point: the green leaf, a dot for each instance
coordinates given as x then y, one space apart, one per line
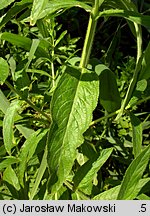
22 83
25 131
62 35
37 8
8 161
84 177
110 194
143 197
10 176
43 8
136 134
121 4
125 5
129 15
42 73
8 124
72 105
142 183
14 10
4 103
27 151
141 85
145 71
40 174
34 46
5 3
24 43
4 70
133 175
109 95
42 27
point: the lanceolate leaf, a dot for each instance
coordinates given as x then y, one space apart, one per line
72 105
85 175
120 4
37 8
4 103
8 124
4 70
17 8
109 95
24 43
5 3
136 134
8 161
112 193
139 187
27 151
129 15
133 175
34 46
11 177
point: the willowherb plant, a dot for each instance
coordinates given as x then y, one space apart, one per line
74 90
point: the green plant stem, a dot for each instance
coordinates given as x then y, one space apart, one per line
116 112
89 35
52 64
28 101
53 73
104 117
136 71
